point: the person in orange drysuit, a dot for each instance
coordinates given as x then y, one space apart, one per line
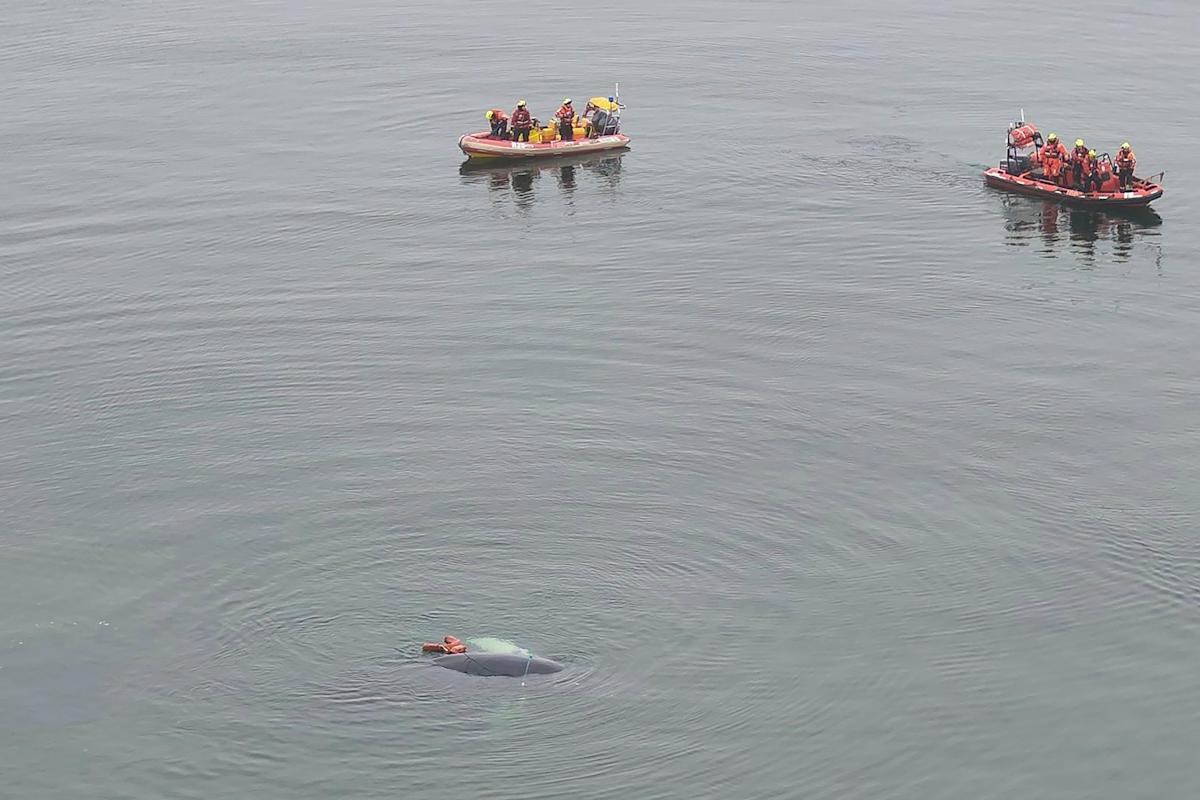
1126 162
1078 162
499 122
1052 155
1091 173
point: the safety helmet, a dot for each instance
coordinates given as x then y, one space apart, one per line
1052 137
1092 153
1079 142
566 101
520 104
490 114
1125 145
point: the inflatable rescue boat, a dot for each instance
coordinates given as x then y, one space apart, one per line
1020 172
597 130
483 146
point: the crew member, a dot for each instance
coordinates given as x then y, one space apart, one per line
499 122
522 123
1053 155
1126 163
566 120
1091 173
1078 159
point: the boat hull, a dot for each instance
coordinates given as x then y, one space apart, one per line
1141 195
482 146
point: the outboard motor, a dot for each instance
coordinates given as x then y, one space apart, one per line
605 124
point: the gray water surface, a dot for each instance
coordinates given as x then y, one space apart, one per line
828 472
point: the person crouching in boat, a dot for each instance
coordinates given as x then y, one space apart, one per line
499 122
522 123
1078 160
566 120
1126 162
1053 155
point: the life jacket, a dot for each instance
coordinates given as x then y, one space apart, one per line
565 113
1053 151
1079 155
497 115
521 119
1090 165
449 645
1125 159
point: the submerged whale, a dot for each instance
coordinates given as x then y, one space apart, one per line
510 665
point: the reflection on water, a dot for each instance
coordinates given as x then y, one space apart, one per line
520 180
1089 235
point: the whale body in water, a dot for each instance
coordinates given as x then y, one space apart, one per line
510 665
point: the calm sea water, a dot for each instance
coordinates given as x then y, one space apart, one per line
828 472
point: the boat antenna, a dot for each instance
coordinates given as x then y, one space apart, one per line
1022 116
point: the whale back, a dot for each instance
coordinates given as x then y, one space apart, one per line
508 665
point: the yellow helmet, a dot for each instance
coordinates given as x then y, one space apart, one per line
1125 145
1052 137
1092 153
489 114
520 104
1079 142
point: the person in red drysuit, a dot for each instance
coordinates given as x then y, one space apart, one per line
566 120
522 123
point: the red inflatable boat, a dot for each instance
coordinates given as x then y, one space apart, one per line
596 130
482 145
1021 173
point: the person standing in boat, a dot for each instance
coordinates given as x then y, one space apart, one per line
1091 172
1053 155
499 122
566 120
522 123
1126 163
1078 162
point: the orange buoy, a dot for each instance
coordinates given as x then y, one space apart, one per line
448 645
1023 136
